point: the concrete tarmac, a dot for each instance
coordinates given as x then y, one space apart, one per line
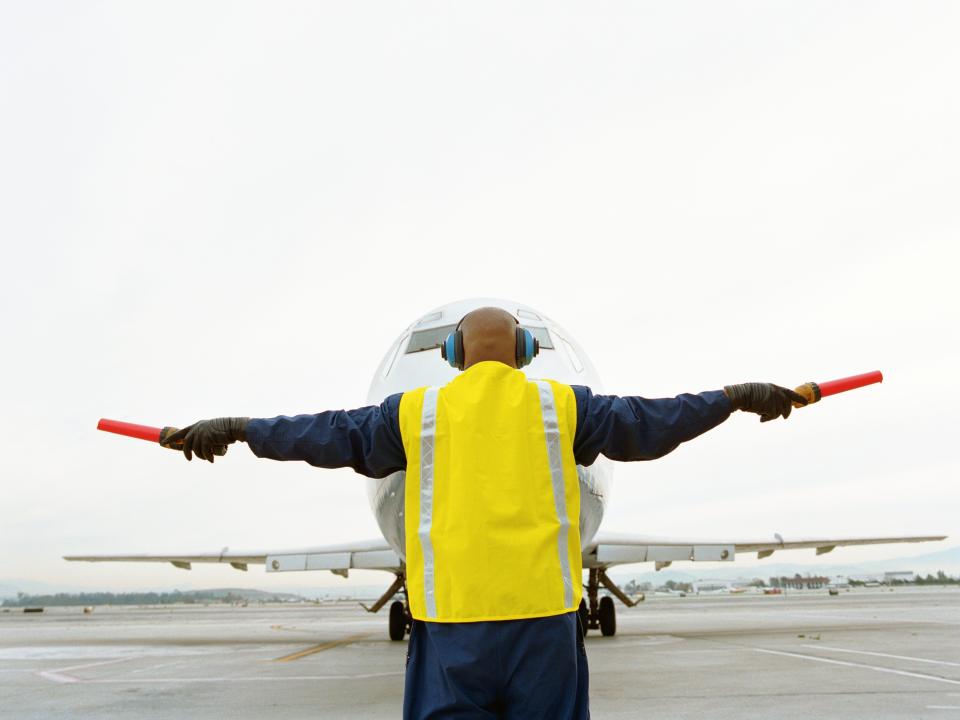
865 654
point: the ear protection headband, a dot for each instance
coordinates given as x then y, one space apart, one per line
527 347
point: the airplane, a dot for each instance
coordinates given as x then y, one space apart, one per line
413 360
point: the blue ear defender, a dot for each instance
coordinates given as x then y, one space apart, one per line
527 347
452 349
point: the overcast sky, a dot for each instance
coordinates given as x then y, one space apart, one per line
233 209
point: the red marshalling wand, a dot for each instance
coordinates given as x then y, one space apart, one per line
145 432
813 392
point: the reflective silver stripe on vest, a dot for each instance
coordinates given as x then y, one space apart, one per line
427 445
551 428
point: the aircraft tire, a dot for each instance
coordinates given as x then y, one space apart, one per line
608 617
398 620
584 617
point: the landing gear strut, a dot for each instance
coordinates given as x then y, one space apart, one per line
601 612
400 620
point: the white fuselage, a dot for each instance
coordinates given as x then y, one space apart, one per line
405 367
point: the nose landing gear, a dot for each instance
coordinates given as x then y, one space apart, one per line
400 622
601 612
595 612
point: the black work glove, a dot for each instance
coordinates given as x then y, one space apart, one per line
209 437
767 400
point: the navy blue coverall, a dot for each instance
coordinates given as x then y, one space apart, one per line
504 669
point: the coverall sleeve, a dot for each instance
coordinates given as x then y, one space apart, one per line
636 428
366 439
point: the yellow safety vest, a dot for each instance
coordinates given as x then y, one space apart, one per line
492 502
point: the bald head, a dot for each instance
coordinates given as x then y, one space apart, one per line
489 333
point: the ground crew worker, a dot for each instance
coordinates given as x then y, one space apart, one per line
493 563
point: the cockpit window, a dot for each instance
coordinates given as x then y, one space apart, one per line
543 336
433 338
428 339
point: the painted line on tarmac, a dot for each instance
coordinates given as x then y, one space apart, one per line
321 647
250 679
287 628
880 654
54 676
943 707
704 651
151 668
888 618
62 675
847 663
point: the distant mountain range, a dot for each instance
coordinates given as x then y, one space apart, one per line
10 588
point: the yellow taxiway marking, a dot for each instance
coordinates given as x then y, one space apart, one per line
321 647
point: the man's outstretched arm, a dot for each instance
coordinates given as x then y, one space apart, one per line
366 439
636 428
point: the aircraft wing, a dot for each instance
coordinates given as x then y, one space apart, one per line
606 550
338 559
609 549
